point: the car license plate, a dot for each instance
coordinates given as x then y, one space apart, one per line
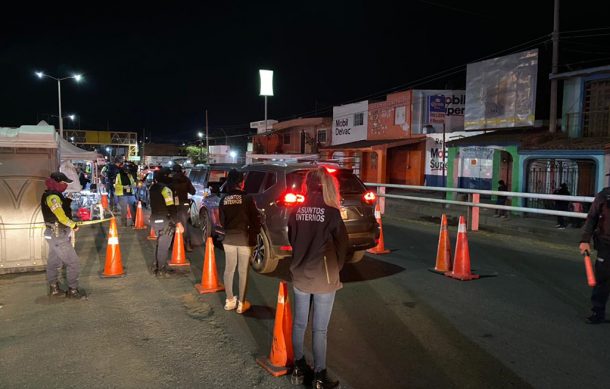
344 213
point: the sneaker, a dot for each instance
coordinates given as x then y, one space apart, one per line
231 304
302 373
56 291
243 306
558 225
596 319
561 227
76 294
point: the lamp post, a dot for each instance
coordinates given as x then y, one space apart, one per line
200 135
233 154
77 78
266 88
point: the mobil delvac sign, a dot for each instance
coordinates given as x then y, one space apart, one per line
350 123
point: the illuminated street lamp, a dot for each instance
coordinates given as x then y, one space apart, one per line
266 88
77 78
200 135
233 154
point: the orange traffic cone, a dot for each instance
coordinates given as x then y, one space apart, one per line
281 355
114 266
139 224
443 254
105 200
152 235
128 217
461 266
209 277
178 257
379 249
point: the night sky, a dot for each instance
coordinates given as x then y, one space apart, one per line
158 67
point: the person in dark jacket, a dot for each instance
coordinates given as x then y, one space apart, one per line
241 223
57 216
319 245
562 205
597 226
181 187
162 219
501 200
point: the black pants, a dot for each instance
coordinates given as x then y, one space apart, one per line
601 291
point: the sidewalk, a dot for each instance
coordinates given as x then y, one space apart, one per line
531 226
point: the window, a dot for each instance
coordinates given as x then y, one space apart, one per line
321 136
269 181
359 119
254 181
286 138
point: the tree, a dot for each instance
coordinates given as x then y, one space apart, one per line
196 154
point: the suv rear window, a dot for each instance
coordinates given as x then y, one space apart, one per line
348 182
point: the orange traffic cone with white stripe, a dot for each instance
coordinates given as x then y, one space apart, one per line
209 277
152 235
128 217
139 224
461 266
443 253
178 256
114 265
380 248
281 356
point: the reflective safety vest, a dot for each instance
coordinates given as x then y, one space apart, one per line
161 200
124 184
56 209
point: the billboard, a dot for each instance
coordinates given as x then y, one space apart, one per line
427 110
350 123
435 171
501 92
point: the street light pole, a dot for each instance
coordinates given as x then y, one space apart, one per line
77 78
61 119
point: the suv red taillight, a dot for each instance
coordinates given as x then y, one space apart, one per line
369 197
289 199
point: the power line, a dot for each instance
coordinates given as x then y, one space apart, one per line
584 30
585 36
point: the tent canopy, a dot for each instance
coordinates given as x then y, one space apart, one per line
67 151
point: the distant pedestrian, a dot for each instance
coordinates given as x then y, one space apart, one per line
501 200
181 188
241 224
597 226
318 238
562 205
57 216
162 219
125 190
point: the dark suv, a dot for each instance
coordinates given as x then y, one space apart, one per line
276 188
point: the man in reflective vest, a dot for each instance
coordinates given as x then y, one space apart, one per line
59 226
182 187
124 189
162 219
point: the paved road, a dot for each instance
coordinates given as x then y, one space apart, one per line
395 324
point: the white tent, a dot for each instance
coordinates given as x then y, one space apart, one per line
67 151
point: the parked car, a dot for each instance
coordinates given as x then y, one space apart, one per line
274 187
207 180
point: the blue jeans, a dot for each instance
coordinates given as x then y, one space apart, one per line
322 308
124 202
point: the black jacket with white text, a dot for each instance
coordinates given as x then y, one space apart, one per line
319 245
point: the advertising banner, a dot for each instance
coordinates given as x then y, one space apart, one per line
425 115
436 169
476 167
350 123
501 92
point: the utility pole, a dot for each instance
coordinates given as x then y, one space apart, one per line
554 69
207 142
143 143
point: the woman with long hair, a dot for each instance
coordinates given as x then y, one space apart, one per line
319 244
